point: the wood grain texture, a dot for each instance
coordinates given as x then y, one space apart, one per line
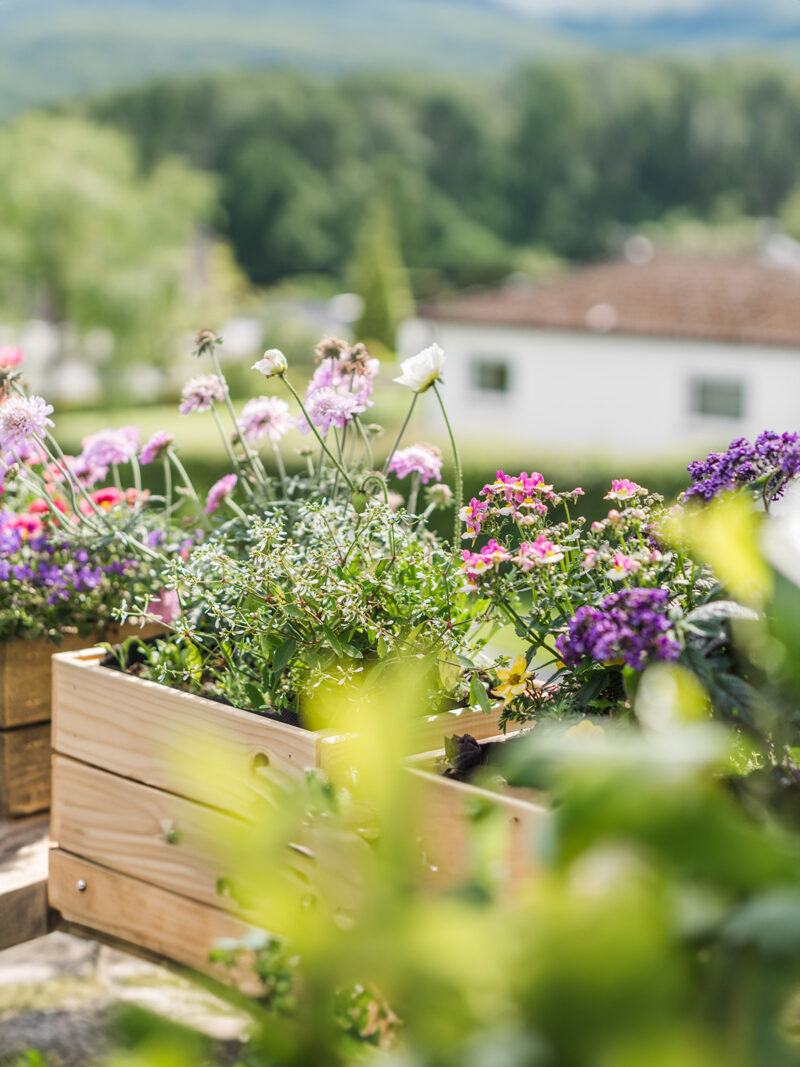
25 674
157 735
446 812
143 730
23 880
25 770
166 924
152 835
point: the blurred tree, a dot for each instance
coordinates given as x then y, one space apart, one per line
379 278
87 242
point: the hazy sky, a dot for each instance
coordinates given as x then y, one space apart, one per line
617 7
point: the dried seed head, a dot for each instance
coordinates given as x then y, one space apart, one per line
330 348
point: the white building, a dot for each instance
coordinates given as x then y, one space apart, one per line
645 355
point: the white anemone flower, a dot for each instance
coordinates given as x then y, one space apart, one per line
421 371
274 362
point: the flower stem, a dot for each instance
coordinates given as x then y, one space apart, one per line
402 431
457 460
316 433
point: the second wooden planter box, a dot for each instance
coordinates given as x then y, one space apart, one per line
25 689
136 829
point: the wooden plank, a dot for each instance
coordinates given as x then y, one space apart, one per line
23 880
143 730
25 674
446 809
170 926
25 770
154 836
147 732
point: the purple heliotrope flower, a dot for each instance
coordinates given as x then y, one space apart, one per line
200 393
425 460
101 450
773 457
23 418
631 626
155 447
219 491
265 415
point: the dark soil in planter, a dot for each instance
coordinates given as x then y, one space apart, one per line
466 757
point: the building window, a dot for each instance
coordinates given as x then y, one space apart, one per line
721 398
490 375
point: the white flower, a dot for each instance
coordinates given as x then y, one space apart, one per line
422 370
274 362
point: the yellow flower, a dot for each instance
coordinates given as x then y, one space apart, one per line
514 680
584 729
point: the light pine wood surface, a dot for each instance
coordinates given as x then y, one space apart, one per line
23 880
138 913
25 770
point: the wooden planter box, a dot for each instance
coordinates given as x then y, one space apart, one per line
450 833
25 688
135 831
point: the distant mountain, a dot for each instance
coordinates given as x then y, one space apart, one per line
51 48
55 48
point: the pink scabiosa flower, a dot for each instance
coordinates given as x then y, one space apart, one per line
201 392
425 460
107 447
326 407
265 416
23 418
474 515
155 447
622 566
439 495
219 491
624 489
537 553
10 356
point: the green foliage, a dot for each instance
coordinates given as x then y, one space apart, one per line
86 241
566 157
378 277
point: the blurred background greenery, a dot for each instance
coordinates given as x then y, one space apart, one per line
281 171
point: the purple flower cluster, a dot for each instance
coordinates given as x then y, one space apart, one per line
774 457
629 626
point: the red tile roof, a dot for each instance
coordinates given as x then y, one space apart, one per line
721 298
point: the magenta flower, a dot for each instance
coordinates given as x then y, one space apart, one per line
219 491
155 447
265 415
535 553
624 489
474 515
622 566
200 393
425 460
23 418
